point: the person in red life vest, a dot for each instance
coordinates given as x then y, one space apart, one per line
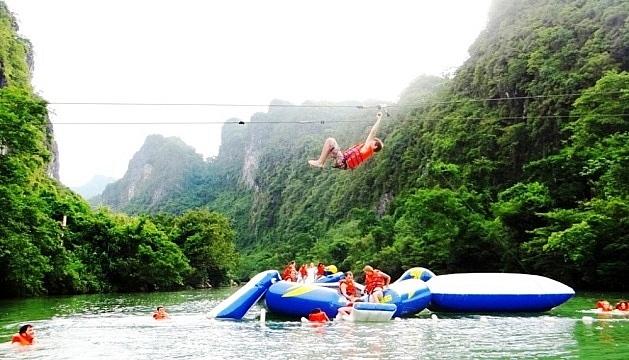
622 305
317 315
287 270
303 273
320 271
604 305
292 277
353 156
375 282
25 336
161 314
347 288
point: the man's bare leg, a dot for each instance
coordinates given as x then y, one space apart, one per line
329 145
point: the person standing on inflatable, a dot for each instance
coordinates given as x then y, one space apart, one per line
25 336
353 156
288 269
303 273
375 282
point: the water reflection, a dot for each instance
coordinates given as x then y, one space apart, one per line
120 327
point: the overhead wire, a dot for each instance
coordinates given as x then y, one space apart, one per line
306 105
379 106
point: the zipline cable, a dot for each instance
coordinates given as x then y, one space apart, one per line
392 105
322 122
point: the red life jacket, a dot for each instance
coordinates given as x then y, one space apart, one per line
317 317
321 270
286 272
22 339
350 289
158 316
354 157
375 280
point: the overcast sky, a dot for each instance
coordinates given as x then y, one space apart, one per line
222 52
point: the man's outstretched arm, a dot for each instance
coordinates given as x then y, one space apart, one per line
374 129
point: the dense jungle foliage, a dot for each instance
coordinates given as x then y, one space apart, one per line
89 251
518 162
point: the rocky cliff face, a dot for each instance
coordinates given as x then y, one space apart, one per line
159 171
16 68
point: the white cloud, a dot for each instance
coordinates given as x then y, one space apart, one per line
223 52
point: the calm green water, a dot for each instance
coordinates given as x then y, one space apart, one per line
120 327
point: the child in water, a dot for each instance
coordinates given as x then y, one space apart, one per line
317 315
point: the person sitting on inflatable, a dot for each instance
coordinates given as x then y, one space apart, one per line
25 336
347 288
604 305
320 271
161 314
318 316
622 305
375 282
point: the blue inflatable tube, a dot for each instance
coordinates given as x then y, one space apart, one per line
410 296
332 278
419 273
237 305
298 300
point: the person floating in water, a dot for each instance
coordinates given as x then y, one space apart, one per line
161 314
353 156
25 335
317 315
604 305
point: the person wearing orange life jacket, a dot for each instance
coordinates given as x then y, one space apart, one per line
287 270
604 305
375 282
320 271
347 288
622 305
292 277
161 314
303 273
317 315
25 336
353 156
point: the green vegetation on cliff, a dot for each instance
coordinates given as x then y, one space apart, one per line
94 251
516 163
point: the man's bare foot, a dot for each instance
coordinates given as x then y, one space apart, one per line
315 163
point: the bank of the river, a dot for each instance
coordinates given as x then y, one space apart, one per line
119 326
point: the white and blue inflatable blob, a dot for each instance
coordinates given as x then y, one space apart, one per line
496 292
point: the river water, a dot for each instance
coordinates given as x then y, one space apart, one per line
120 326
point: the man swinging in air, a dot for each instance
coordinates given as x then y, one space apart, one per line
353 156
